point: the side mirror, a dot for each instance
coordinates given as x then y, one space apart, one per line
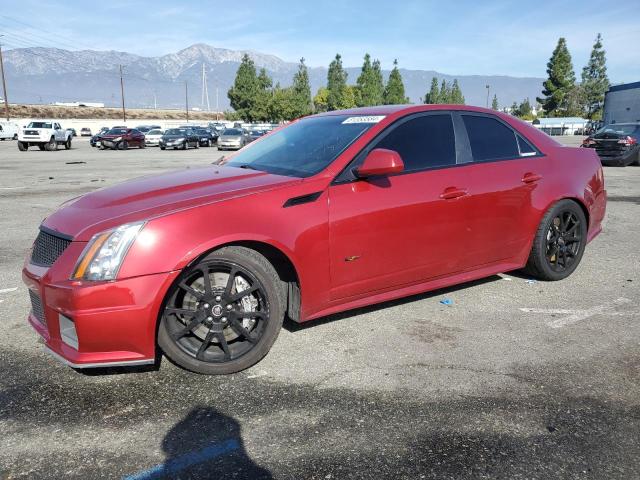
380 161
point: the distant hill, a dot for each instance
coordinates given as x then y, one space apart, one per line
45 75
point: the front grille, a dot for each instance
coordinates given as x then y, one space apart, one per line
47 248
36 307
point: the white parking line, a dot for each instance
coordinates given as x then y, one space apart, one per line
575 315
7 290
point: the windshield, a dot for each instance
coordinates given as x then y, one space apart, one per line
39 125
155 132
117 131
202 131
232 131
305 147
176 131
620 129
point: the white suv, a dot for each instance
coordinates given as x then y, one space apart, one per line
47 135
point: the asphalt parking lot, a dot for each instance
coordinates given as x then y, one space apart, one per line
514 379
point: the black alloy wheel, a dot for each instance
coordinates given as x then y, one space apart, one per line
559 242
224 313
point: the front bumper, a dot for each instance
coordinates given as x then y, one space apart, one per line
115 322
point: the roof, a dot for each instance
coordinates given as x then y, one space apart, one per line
624 86
559 120
391 109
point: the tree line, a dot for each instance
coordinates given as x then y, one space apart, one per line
254 97
561 95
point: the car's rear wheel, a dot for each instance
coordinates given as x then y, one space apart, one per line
559 242
224 313
23 146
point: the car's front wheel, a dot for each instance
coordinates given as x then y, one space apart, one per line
559 242
224 313
67 144
23 146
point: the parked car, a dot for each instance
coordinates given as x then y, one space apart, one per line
179 138
147 128
95 140
73 132
233 139
152 137
617 144
85 132
333 212
205 139
122 139
46 135
255 134
8 131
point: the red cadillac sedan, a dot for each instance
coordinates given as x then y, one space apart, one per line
333 212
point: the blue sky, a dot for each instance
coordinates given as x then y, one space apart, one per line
454 37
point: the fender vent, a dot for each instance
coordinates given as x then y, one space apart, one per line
311 197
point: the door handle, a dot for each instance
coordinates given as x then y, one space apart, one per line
452 192
531 177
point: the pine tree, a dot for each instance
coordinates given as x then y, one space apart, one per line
261 105
336 83
302 104
560 82
494 102
514 109
394 90
524 110
244 92
369 84
445 92
594 80
456 94
433 96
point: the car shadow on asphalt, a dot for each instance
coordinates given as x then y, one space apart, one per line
205 444
293 326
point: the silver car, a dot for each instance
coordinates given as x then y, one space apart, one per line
153 137
233 139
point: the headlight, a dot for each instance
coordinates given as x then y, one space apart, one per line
103 255
117 139
179 140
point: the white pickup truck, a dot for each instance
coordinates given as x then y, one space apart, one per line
46 135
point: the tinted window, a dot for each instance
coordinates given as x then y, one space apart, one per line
423 142
490 139
117 131
526 149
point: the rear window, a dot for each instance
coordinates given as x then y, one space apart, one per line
620 129
39 125
490 139
117 131
155 132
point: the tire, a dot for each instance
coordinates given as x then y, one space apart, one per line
41 147
559 242
196 145
124 145
185 145
67 144
163 148
15 136
143 144
216 340
637 162
23 146
51 145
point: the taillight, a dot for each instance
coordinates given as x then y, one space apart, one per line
587 142
628 141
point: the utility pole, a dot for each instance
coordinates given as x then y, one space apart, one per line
487 87
186 99
205 89
217 109
155 100
124 112
4 84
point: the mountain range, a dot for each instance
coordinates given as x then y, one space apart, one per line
46 75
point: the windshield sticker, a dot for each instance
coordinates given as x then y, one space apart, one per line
363 119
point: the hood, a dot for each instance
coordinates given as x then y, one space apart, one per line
230 137
148 197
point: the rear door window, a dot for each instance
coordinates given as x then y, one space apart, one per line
425 141
490 139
